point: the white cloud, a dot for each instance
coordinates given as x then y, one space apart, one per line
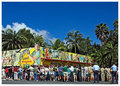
17 26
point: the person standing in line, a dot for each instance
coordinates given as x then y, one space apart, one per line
10 73
15 73
20 73
35 70
96 69
92 74
102 74
57 75
86 73
48 74
108 74
105 71
52 74
25 71
7 72
71 73
60 72
114 73
75 73
55 71
28 74
65 69
80 73
3 73
39 72
68 73
90 71
31 73
46 71
43 73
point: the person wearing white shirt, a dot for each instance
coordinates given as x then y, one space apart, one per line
114 73
3 74
71 69
31 72
46 72
71 73
96 69
85 72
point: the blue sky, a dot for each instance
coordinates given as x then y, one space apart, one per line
55 19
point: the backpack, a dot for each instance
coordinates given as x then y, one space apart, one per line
75 71
105 71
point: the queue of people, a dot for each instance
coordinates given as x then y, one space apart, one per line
63 73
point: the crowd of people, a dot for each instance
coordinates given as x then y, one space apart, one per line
63 73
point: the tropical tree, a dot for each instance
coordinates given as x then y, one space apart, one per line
98 56
115 24
72 39
102 32
111 53
111 46
108 53
55 45
27 33
31 37
11 40
87 46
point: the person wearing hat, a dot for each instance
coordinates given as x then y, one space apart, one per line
96 69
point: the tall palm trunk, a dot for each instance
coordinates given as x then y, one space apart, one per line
75 48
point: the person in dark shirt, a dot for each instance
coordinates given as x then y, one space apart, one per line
10 73
28 74
79 74
13 72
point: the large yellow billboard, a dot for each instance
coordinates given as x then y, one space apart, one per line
20 57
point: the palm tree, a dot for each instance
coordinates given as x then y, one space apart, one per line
39 39
111 53
115 23
55 45
73 38
30 37
102 32
11 40
62 47
99 56
87 47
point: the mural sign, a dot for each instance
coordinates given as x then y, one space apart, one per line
20 57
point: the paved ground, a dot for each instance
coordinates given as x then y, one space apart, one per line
48 82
